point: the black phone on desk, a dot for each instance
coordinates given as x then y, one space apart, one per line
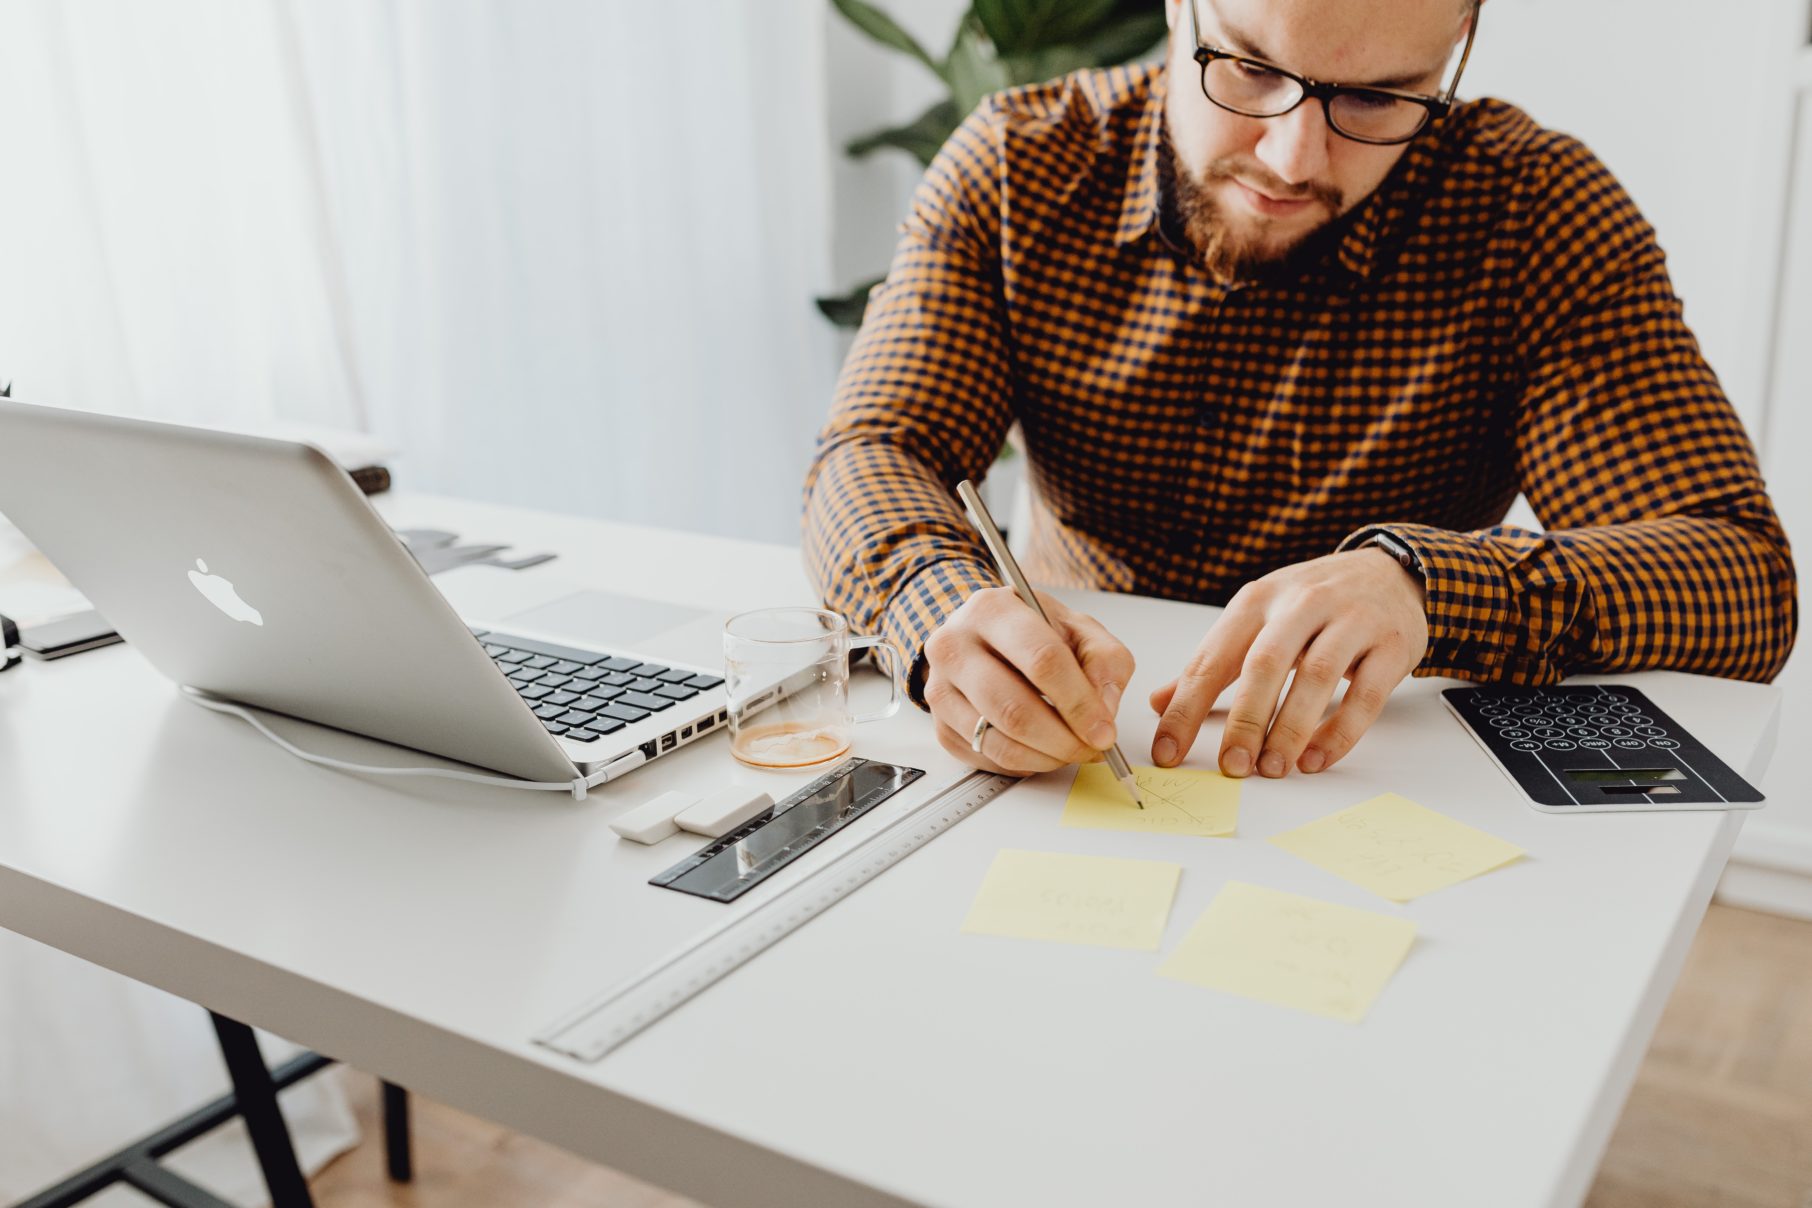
67 635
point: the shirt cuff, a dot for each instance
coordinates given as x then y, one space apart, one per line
1473 629
920 606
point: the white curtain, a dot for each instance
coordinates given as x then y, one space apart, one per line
556 252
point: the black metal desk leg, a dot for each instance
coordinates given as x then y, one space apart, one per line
396 1133
256 1095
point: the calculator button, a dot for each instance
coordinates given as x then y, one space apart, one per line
1582 732
1615 731
1594 744
1593 710
1501 722
1513 734
1550 733
1560 744
1631 744
1538 719
1651 731
1666 744
1523 744
1638 719
1569 720
1613 698
1626 710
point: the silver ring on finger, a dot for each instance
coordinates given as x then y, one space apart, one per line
979 733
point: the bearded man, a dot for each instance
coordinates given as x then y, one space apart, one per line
1286 329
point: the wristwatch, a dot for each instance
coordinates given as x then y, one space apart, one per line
9 644
1397 548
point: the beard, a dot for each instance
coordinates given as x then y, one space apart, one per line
1231 247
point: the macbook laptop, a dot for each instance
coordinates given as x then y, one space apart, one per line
255 570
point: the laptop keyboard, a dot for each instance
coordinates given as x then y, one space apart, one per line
583 694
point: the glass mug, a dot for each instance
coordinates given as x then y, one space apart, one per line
786 671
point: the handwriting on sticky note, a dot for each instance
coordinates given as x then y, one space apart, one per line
1178 801
1038 895
1396 848
1292 951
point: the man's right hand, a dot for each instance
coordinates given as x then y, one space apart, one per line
1049 692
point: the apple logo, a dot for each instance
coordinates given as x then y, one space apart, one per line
221 595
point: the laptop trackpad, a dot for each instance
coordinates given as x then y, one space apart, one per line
596 618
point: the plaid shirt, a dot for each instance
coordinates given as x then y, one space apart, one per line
1497 318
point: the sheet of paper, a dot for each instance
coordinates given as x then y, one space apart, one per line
1178 801
1396 848
1293 951
1113 903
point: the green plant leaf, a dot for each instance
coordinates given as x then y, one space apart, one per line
1048 64
973 69
883 29
1022 26
847 310
922 137
1127 36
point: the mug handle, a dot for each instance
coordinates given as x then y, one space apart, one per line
896 675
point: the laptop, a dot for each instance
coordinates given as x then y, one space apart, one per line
254 570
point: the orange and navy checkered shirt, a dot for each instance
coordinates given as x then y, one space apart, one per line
1496 318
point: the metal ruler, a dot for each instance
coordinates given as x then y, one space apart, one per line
607 1021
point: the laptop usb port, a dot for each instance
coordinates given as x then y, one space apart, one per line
706 724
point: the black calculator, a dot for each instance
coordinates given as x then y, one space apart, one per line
1595 748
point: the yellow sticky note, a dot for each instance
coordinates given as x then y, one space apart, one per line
1293 951
1036 895
1178 801
1396 848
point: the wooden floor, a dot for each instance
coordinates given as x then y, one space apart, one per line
1721 1116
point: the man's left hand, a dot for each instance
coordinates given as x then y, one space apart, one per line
1356 615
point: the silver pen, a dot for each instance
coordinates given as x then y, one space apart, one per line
1009 569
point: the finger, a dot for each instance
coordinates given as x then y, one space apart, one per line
1014 708
1214 665
999 752
1042 656
1318 674
1371 684
1160 699
1105 660
1261 678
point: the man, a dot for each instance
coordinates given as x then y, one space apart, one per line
1292 346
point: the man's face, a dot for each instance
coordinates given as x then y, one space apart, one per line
1252 189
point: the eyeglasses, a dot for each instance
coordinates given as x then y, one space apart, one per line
1380 116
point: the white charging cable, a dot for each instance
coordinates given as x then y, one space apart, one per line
578 786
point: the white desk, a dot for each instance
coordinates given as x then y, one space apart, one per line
424 930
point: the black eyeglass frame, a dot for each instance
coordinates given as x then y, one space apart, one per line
9 644
1434 106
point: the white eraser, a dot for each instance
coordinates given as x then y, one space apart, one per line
652 821
719 813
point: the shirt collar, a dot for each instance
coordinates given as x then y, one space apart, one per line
1366 229
1139 203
